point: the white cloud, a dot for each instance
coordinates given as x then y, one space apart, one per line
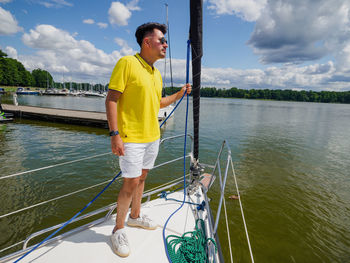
132 5
292 32
48 37
62 2
316 77
55 3
59 52
249 10
102 25
126 50
11 52
119 14
88 21
91 22
5 1
302 30
8 23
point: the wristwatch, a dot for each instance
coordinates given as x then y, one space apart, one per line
113 133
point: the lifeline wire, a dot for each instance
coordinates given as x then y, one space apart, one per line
183 202
53 199
86 158
228 232
70 220
54 165
240 204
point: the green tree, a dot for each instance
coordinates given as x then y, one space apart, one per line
10 74
13 73
2 54
42 78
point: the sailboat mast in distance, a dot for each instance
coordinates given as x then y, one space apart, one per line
169 52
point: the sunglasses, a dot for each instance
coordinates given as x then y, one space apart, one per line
163 41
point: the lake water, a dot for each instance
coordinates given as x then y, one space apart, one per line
292 162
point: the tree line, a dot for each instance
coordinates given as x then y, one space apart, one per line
267 94
13 73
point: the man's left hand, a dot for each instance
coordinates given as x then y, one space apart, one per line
187 87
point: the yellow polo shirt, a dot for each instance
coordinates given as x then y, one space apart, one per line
138 106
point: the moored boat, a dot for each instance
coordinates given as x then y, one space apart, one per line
165 112
94 94
55 92
27 91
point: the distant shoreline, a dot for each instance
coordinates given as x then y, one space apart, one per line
274 94
256 94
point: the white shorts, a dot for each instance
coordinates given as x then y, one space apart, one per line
138 156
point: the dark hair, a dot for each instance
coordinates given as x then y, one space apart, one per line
147 28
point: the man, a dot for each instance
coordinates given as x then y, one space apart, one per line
132 106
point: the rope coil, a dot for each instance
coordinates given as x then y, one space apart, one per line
190 247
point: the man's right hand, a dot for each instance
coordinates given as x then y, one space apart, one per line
117 145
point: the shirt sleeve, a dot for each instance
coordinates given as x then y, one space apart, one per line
120 75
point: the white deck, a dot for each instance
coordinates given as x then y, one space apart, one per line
93 245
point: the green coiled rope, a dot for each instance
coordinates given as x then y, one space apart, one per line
190 247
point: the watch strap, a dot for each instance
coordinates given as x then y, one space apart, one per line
113 133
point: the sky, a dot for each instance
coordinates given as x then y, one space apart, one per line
260 44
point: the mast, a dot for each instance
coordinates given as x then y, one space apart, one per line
196 30
168 36
165 60
164 75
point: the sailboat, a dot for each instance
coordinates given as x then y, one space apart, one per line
91 93
186 228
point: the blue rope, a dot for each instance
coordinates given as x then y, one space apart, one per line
172 110
187 81
164 195
183 202
70 220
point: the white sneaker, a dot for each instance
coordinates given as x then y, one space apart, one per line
142 221
120 243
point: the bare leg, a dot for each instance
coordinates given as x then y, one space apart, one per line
137 195
125 195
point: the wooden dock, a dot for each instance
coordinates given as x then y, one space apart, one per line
87 118
78 117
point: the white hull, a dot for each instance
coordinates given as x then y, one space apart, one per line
94 245
165 112
94 94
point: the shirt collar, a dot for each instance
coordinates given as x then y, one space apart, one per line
143 62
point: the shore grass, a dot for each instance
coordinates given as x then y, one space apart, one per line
9 89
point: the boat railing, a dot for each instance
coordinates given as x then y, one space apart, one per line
107 209
222 181
217 168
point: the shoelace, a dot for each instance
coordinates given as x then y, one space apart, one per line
146 218
122 240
